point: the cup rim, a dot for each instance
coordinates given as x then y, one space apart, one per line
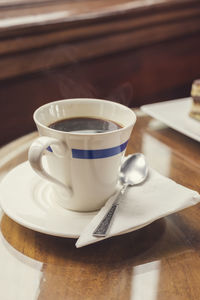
79 133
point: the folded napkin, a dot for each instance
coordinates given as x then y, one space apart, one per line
157 197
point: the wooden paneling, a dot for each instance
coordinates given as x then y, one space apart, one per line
155 73
61 34
133 52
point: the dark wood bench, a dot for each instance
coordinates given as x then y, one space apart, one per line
133 52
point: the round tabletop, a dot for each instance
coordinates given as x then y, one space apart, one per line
158 262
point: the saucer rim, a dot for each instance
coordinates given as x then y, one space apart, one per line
27 224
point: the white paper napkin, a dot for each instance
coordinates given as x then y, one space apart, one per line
157 197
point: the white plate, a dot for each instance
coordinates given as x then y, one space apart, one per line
26 199
175 114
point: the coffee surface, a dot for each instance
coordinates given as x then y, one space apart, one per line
85 125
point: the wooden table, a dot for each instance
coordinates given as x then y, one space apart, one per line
160 261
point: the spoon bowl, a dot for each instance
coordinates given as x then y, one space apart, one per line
134 170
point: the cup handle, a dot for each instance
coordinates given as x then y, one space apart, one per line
36 152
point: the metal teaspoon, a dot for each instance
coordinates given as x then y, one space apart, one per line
133 171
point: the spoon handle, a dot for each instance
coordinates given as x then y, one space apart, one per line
102 229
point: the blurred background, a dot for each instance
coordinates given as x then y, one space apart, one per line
133 52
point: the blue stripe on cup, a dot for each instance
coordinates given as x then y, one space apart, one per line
100 153
49 149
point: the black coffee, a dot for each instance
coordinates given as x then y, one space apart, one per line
85 125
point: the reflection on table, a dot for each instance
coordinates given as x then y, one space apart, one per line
158 262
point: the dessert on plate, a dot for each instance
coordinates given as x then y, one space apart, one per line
195 94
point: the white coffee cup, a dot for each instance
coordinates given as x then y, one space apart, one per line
83 167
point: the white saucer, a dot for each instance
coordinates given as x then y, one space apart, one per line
26 198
